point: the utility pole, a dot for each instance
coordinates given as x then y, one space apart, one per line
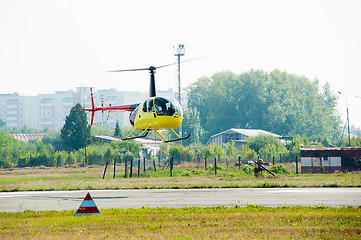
178 52
348 120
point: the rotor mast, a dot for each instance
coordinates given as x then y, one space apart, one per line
152 92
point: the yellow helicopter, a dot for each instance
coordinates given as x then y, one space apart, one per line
155 113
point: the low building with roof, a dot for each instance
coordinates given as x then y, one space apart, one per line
28 137
238 136
331 159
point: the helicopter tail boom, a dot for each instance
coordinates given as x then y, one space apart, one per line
93 109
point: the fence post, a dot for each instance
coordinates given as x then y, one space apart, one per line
227 162
171 166
131 168
296 164
125 167
273 160
205 162
239 162
215 166
155 169
115 161
144 163
105 169
138 167
85 157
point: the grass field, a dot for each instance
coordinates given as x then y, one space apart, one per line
250 222
71 178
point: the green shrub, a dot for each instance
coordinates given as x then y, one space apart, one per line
247 168
211 167
280 169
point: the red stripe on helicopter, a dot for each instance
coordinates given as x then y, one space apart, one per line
129 107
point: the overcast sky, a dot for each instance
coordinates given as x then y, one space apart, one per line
49 45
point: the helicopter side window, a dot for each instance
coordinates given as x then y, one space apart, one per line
164 107
144 107
151 105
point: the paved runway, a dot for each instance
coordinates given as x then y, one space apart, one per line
272 197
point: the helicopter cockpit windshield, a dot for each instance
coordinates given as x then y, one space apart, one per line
165 107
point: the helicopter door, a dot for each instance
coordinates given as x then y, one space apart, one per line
151 105
177 107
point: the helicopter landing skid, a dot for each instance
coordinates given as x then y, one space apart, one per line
172 140
178 139
146 131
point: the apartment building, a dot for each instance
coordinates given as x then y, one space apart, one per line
53 109
18 111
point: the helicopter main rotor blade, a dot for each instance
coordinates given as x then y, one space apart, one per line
183 61
130 70
170 64
153 68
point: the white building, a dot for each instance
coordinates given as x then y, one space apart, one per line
18 111
53 109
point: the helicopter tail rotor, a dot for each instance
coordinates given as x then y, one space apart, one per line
92 110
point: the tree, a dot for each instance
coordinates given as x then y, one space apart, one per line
117 131
191 125
279 102
51 137
128 145
355 142
75 132
2 123
261 141
229 148
97 130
